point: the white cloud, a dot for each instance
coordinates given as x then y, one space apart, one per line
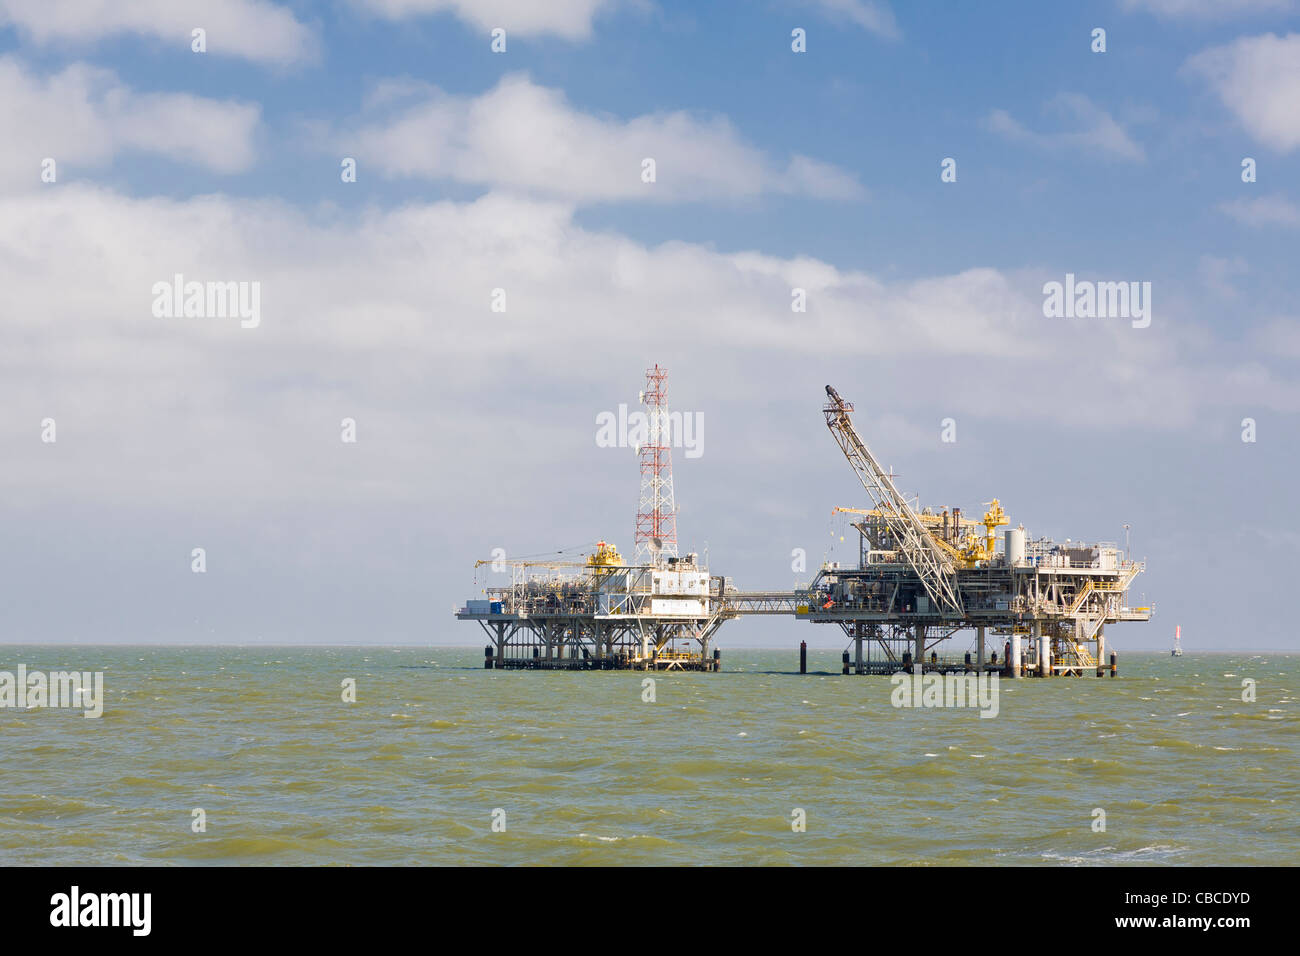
1280 336
873 16
477 429
1095 132
568 19
252 29
1217 273
526 137
83 116
384 316
1263 211
1208 9
1258 79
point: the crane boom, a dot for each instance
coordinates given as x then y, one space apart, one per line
922 552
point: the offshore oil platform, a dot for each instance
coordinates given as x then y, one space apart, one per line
920 579
657 613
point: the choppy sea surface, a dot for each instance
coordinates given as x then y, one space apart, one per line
581 770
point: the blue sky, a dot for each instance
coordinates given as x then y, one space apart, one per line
881 109
520 170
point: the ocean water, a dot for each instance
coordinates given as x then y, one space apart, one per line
583 771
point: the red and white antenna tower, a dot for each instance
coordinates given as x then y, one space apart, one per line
656 518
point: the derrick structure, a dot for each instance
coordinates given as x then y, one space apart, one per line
1035 606
923 577
656 517
659 612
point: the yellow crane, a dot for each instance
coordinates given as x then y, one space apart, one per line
994 517
970 549
605 556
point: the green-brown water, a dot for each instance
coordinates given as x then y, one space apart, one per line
588 773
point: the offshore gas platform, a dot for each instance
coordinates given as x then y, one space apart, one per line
658 612
920 579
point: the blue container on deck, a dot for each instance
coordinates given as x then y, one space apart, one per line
496 608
